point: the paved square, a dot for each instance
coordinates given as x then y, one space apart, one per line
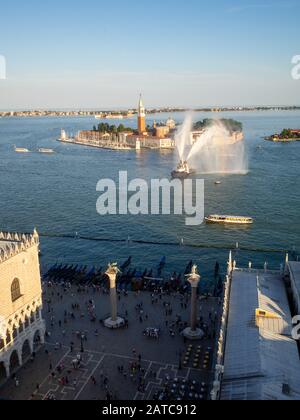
116 364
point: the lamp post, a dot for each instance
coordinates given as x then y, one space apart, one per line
193 333
81 344
180 363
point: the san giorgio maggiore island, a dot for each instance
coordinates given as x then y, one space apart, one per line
159 136
123 138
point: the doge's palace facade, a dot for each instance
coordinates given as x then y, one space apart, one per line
22 328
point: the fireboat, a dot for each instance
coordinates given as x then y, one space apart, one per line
183 170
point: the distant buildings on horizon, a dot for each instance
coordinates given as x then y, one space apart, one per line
115 114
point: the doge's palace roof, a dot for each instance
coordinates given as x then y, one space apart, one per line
12 244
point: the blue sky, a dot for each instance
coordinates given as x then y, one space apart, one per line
193 53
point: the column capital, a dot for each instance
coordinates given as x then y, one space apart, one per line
194 278
194 281
112 272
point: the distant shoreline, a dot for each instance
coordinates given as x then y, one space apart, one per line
80 113
278 140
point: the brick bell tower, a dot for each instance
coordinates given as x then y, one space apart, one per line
141 117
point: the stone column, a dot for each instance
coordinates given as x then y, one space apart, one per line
194 333
194 307
7 368
114 321
42 334
20 356
113 296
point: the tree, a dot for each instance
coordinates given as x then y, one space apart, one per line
231 125
286 133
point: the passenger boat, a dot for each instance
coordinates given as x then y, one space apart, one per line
21 150
237 220
182 171
48 151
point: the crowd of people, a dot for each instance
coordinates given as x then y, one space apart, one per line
79 303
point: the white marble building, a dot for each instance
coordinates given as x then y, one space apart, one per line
22 328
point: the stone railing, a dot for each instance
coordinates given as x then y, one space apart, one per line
219 369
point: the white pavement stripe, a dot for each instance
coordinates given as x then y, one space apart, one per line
47 377
87 381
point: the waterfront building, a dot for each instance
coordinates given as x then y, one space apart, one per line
22 328
162 131
149 142
92 138
261 359
121 141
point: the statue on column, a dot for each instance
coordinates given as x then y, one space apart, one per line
114 321
194 333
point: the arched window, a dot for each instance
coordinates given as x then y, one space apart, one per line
21 327
15 333
8 337
15 290
26 322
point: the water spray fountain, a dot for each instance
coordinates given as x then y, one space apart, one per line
214 151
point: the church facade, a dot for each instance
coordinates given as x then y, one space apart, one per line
22 328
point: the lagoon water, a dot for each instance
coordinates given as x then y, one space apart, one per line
57 194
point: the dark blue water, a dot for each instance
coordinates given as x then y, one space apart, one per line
57 194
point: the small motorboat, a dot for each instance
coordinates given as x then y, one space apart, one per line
218 183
